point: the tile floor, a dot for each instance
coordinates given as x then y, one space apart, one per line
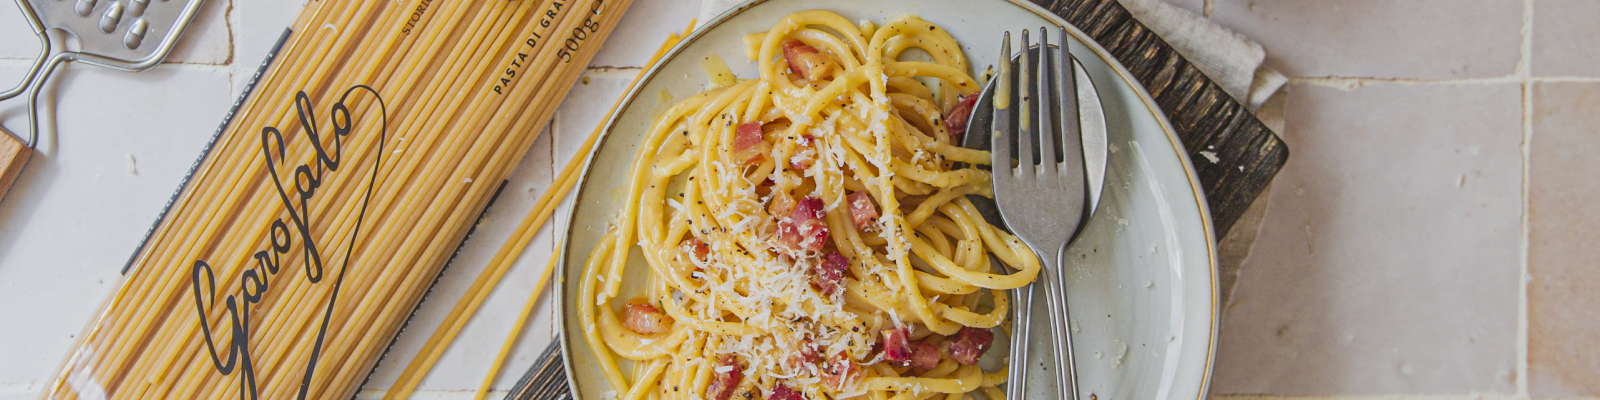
1427 239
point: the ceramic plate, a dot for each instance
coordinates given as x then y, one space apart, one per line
1142 277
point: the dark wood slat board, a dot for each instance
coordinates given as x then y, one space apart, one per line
546 379
1206 118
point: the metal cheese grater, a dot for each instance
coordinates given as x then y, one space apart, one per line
130 35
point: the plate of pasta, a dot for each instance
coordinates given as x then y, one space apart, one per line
796 222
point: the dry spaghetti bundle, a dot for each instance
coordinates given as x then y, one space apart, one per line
333 198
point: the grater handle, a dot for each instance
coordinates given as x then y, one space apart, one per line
31 84
44 50
35 85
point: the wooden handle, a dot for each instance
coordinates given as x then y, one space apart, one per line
13 156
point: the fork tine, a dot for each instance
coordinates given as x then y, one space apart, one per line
1027 112
1002 127
1067 93
1001 123
1047 136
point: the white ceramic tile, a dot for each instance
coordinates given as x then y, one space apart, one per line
259 24
120 147
466 362
20 42
20 391
208 39
1422 39
1563 38
1563 333
642 29
1388 259
11 74
18 50
585 108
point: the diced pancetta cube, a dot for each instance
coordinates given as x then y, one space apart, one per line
748 144
804 228
840 372
725 379
896 346
924 355
697 248
804 235
810 207
828 276
862 212
809 352
645 319
782 392
970 344
780 205
806 61
955 121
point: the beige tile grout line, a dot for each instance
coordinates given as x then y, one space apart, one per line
1525 70
1517 77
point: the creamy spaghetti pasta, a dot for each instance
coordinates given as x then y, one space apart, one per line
808 232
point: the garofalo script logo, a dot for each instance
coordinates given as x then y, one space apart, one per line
295 190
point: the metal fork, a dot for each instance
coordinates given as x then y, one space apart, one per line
1042 194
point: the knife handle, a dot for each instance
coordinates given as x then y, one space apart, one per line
13 156
546 379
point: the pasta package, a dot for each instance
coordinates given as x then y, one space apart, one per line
332 197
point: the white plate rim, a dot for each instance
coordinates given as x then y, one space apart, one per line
634 91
